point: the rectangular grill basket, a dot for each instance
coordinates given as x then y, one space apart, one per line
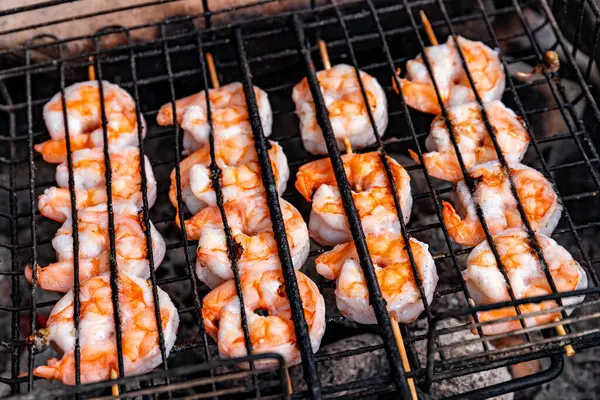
273 45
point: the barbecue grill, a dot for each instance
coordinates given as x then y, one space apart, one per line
274 51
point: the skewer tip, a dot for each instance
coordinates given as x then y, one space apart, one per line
289 382
403 356
569 350
114 375
324 54
348 145
212 71
428 29
91 70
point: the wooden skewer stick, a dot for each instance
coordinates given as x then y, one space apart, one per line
91 70
348 146
569 350
405 363
289 382
324 54
212 70
395 327
114 375
428 29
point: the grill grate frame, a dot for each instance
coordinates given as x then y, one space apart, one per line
234 36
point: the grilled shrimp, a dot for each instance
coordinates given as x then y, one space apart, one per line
84 119
94 247
487 285
252 232
498 205
229 114
240 173
263 293
141 352
371 192
90 183
474 142
451 79
394 274
347 110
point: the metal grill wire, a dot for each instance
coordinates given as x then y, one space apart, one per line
33 205
573 131
190 381
216 182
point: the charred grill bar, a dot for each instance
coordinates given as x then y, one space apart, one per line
230 41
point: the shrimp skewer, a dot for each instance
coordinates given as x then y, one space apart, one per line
373 197
84 119
89 178
251 229
263 293
347 109
474 141
94 247
499 207
240 173
451 79
526 277
229 115
348 145
98 357
394 275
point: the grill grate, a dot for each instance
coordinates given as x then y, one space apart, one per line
274 52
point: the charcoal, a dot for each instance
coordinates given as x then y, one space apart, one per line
361 366
462 384
374 364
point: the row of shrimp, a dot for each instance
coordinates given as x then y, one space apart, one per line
86 180
383 206
241 200
465 144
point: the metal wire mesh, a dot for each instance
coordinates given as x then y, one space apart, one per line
218 379
274 52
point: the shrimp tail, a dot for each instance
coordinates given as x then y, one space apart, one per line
465 231
54 277
442 166
92 369
330 264
29 272
312 175
394 78
55 151
193 226
51 371
173 199
414 156
58 277
165 113
305 185
55 203
420 96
